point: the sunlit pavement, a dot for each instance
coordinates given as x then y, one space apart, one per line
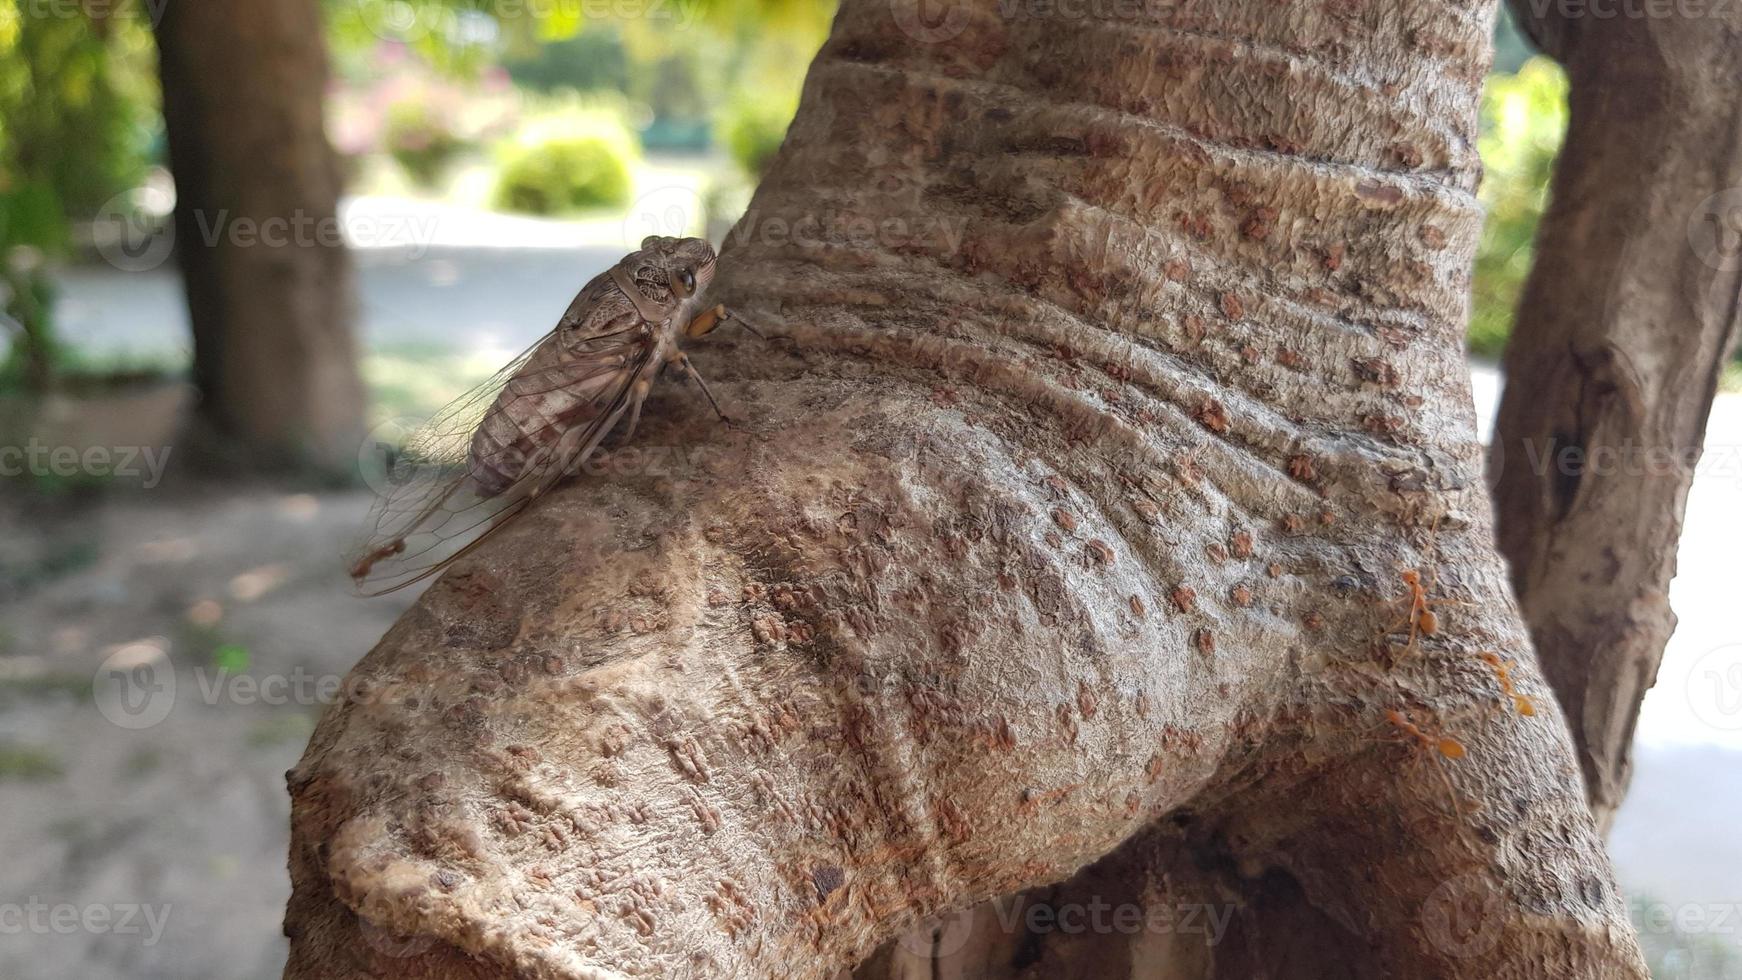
429 273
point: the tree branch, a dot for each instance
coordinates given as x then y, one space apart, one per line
1626 322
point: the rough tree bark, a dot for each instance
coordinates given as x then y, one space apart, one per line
1629 317
1119 383
269 283
1625 325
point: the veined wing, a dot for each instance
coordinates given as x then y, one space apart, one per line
559 399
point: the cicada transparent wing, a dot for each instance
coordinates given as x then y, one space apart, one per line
481 460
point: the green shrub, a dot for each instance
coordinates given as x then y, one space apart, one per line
1524 117
420 140
567 161
753 130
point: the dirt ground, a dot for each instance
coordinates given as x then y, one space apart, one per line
142 806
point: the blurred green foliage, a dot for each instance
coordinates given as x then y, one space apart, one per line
567 159
28 763
1523 119
412 381
78 121
753 128
680 64
590 61
78 108
231 657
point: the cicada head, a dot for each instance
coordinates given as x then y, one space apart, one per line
684 265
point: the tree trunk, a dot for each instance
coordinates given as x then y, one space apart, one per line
1624 328
269 282
1119 384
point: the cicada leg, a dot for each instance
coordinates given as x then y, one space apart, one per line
637 395
689 368
709 320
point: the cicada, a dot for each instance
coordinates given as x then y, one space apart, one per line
480 461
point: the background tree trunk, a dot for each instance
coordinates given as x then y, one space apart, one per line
269 282
1120 382
1626 323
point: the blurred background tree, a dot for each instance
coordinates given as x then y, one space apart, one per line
269 282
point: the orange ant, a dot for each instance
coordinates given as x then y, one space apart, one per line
1503 675
1436 746
1445 745
1422 620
